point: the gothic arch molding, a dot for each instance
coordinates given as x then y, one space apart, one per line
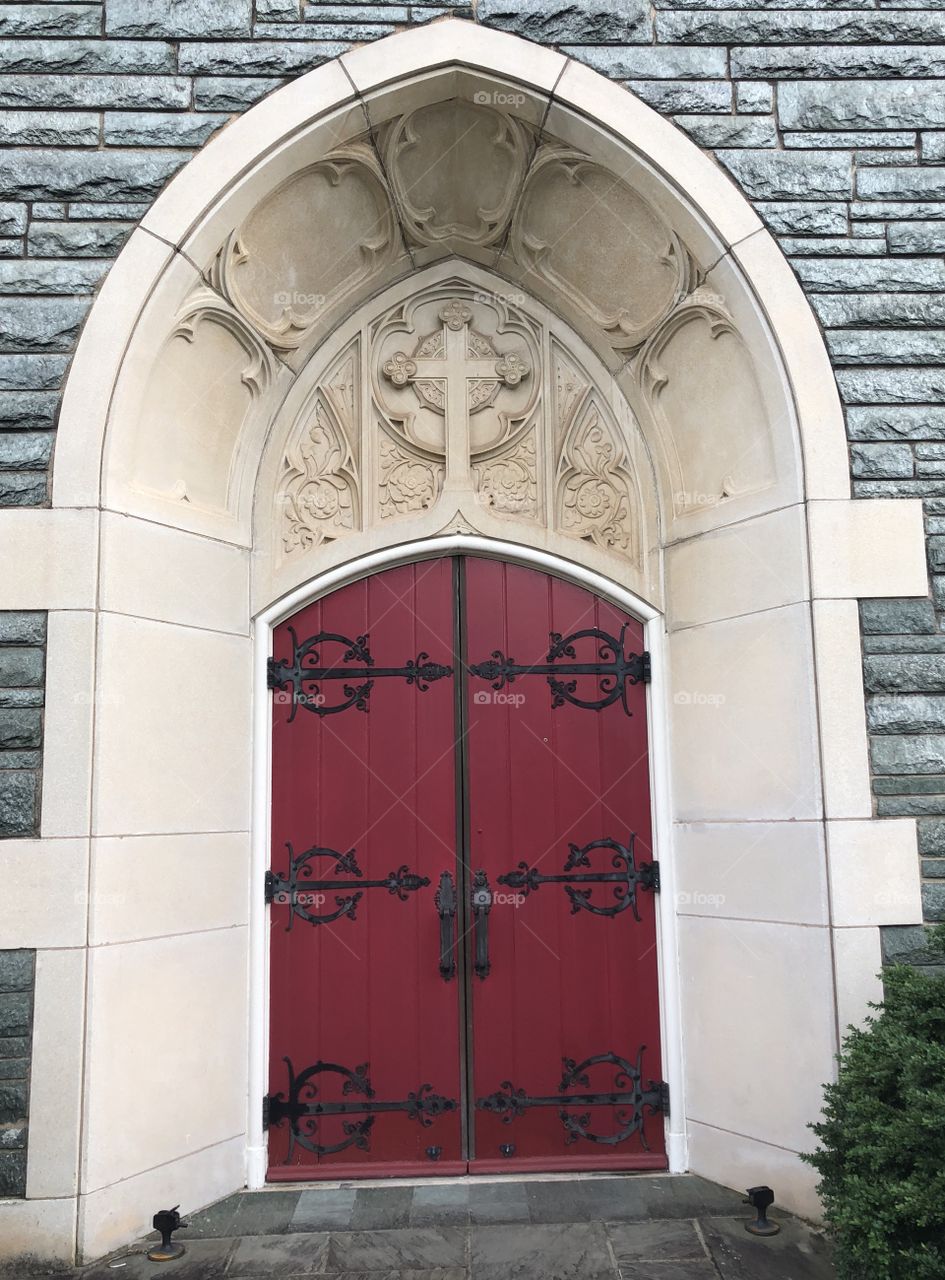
312 134
206 349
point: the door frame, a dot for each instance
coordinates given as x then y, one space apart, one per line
658 729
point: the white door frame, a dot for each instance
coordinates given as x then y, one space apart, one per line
658 722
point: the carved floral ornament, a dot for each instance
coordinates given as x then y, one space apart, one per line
459 390
469 397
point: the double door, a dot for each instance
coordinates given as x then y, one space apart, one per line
463 940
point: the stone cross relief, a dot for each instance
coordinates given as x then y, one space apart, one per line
456 371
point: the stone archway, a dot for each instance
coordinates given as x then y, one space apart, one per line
176 453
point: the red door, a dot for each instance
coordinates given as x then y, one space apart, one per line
463 967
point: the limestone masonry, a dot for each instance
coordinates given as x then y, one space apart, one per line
831 117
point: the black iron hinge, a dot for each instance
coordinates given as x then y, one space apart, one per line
273 882
650 876
646 667
265 1112
664 1097
275 678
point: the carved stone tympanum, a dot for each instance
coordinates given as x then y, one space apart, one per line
463 393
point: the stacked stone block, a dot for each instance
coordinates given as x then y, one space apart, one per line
829 113
16 1023
22 681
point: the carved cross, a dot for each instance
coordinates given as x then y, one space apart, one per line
442 380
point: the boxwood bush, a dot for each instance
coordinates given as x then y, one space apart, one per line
882 1137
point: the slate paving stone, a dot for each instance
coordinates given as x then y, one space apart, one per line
261 1213
322 1209
616 1199
498 1202
652 1241
688 1196
297 1254
671 1271
558 1202
215 1220
550 1251
418 1248
797 1253
440 1204
204 1260
381 1208
438 1273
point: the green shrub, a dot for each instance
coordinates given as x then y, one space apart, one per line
882 1153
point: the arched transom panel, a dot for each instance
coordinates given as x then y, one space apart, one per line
456 316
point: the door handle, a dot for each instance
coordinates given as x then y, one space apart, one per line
445 899
481 903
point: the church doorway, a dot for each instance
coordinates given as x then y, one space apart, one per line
463 965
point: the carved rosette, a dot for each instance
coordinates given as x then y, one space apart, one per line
408 483
508 483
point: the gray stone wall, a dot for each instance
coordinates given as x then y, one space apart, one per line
17 973
829 113
22 687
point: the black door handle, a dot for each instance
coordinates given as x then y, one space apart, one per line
445 899
481 903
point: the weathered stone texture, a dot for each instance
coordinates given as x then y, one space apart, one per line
22 671
593 21
17 972
31 174
787 175
829 62
867 105
174 19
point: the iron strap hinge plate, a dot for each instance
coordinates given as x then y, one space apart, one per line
650 875
646 667
664 1097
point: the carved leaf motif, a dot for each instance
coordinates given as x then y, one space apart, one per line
595 486
407 483
509 482
319 486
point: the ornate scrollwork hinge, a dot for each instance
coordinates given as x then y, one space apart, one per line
631 1102
304 1110
614 669
626 878
301 678
304 895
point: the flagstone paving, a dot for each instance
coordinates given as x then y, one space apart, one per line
599 1228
